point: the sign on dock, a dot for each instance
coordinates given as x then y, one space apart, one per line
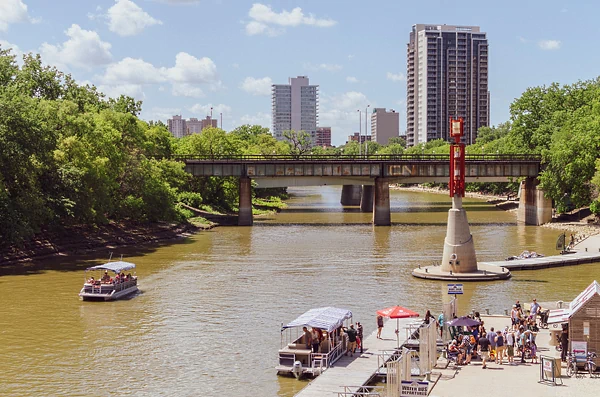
412 388
455 289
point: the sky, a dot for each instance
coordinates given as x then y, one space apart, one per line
186 56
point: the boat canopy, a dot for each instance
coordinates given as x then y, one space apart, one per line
326 318
116 267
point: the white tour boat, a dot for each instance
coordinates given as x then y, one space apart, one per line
295 358
109 286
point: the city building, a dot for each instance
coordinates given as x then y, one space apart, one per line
323 137
177 126
447 76
180 127
295 107
384 125
357 136
209 122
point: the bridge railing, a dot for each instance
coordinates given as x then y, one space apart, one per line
353 158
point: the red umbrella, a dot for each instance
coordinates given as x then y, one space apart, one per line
397 312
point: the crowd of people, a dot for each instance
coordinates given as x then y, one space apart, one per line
515 340
107 279
319 341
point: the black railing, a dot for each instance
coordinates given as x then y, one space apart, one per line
348 157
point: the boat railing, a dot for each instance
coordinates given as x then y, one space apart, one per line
107 288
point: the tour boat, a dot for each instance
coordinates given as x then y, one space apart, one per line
109 286
295 358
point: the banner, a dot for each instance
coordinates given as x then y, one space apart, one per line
412 388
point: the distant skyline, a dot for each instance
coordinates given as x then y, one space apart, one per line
184 56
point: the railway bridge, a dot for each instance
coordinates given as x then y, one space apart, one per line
366 180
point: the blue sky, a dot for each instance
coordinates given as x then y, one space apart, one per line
184 56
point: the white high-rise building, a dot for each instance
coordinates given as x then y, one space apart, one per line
447 76
177 126
295 107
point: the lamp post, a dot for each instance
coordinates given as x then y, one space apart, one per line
359 132
366 142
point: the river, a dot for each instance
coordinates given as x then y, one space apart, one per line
207 321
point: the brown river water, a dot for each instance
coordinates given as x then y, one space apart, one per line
208 318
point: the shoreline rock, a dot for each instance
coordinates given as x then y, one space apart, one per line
80 240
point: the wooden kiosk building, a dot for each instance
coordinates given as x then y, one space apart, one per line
583 317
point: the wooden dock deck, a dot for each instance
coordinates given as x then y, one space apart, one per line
360 369
576 258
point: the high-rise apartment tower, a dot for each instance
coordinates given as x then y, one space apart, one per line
295 107
447 76
384 125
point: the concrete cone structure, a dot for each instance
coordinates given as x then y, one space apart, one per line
459 261
459 249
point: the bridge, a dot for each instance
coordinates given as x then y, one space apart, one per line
365 179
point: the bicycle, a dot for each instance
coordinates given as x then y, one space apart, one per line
590 365
571 365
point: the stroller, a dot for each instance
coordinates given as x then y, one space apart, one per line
544 318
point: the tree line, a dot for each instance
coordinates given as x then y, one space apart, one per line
69 155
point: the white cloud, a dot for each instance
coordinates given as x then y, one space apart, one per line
254 28
160 113
523 39
351 57
12 11
132 71
351 79
204 110
340 112
396 77
189 69
263 17
127 18
549 44
114 91
260 118
83 49
259 87
186 77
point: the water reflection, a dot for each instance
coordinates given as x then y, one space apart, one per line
214 304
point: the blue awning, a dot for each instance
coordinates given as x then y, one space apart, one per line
116 267
326 318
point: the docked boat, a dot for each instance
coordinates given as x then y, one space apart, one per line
109 286
525 255
296 358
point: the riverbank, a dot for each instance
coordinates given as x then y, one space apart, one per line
78 240
580 229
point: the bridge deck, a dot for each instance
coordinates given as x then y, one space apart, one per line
360 369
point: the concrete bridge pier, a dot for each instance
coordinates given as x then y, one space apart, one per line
534 208
381 206
245 211
366 199
351 195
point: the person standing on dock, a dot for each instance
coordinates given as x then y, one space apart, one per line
379 326
359 329
351 332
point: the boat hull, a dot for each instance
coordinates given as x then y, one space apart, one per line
113 295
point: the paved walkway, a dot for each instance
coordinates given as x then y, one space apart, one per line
510 380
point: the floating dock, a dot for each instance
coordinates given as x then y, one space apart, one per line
362 368
576 258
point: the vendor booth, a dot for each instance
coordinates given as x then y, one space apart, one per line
583 319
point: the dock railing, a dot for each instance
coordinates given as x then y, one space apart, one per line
361 391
